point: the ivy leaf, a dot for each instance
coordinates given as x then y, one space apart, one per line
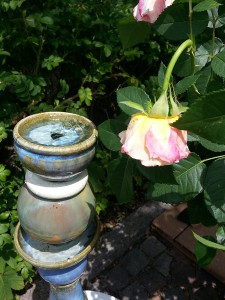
132 32
120 173
132 94
189 175
174 26
218 64
184 84
108 134
204 254
215 190
206 117
206 5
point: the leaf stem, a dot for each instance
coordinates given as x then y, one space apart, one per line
214 157
172 63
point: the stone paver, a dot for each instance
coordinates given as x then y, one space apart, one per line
134 262
162 264
152 246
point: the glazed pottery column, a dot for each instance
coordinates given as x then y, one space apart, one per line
58 224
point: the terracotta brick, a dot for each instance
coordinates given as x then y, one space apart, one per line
186 241
171 222
216 268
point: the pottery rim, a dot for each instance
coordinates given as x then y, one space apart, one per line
54 150
59 264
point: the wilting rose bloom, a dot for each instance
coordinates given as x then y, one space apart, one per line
149 10
154 141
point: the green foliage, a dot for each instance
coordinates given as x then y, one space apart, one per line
122 185
206 5
108 133
132 32
206 117
189 174
132 100
203 253
215 190
174 26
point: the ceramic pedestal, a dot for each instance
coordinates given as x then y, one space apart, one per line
58 224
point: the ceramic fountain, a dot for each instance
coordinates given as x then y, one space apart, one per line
58 225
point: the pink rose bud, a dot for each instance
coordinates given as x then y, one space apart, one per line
154 141
149 10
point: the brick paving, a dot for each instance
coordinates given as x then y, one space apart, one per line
132 262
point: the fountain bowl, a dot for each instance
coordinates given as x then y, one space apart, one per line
55 145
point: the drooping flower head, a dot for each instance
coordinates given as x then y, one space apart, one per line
149 10
151 138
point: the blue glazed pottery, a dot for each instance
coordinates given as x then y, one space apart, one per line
55 145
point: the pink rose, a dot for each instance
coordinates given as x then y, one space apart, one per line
149 10
153 141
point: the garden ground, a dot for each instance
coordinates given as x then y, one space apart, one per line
142 259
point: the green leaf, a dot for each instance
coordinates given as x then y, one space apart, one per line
175 26
220 234
205 52
85 95
161 74
184 84
3 173
4 228
51 62
132 32
13 279
205 143
2 265
64 89
183 66
189 175
163 174
132 94
218 64
108 134
203 253
206 117
134 105
47 20
120 173
206 5
203 81
9 280
217 17
96 175
215 189
208 243
198 212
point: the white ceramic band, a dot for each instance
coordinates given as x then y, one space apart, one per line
55 189
91 295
